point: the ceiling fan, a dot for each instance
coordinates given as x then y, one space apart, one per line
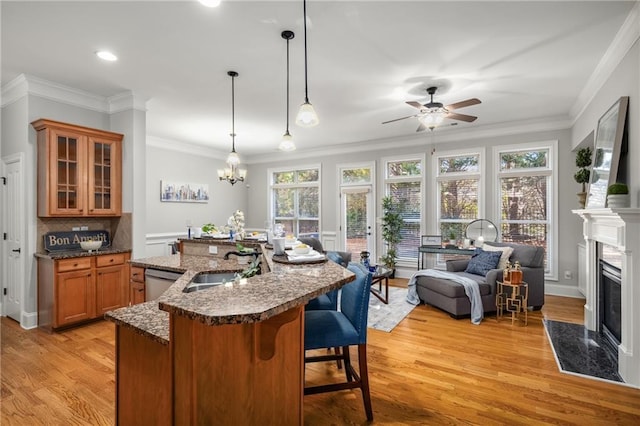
432 113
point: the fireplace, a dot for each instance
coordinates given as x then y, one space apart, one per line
612 305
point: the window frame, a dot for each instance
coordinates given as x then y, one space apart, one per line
385 180
434 228
316 184
552 199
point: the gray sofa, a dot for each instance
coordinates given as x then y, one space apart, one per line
450 296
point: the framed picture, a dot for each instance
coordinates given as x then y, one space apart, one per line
179 192
607 152
431 240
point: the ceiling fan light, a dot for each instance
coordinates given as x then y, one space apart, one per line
287 143
307 116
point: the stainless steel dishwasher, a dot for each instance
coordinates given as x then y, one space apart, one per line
157 282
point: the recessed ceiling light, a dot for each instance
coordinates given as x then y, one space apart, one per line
106 55
210 3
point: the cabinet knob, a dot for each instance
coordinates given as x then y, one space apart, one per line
75 264
110 260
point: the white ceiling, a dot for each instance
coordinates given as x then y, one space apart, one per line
524 60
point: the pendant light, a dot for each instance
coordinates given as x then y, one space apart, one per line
307 116
287 143
231 173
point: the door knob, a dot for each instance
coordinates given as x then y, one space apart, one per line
16 250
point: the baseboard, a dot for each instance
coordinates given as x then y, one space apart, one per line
562 290
29 320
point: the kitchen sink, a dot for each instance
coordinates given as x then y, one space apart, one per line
208 280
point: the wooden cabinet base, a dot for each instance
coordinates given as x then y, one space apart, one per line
143 380
239 373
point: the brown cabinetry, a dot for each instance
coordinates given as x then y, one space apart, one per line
137 286
79 170
79 289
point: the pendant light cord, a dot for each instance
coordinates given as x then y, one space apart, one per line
233 115
287 85
306 88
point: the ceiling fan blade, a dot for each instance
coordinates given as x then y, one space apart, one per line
462 104
421 128
461 117
415 104
398 119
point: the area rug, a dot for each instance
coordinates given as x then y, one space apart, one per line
385 317
581 352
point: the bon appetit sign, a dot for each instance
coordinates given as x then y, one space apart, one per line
66 241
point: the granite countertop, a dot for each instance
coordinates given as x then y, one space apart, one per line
80 253
250 300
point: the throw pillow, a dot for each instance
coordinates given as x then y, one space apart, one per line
506 254
483 261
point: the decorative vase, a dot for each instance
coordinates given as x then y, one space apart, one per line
582 199
617 201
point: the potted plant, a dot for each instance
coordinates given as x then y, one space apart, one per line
583 161
391 225
617 196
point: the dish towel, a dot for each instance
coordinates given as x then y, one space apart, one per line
471 289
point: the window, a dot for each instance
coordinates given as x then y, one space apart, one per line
525 203
458 192
403 182
295 200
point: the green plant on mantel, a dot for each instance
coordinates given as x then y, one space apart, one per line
617 189
583 161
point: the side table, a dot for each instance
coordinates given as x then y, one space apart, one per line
380 276
512 298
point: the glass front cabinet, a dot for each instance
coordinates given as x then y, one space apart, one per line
79 170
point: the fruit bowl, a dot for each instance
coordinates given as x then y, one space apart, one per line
301 249
90 245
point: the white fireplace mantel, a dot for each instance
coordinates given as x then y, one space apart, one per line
619 228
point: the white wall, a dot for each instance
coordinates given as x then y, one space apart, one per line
169 217
624 81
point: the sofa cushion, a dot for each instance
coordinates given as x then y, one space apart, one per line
504 258
453 289
483 261
528 255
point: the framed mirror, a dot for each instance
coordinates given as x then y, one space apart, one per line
607 151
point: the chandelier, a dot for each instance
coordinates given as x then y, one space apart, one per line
232 173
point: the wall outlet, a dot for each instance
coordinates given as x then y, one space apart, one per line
75 228
84 228
213 249
568 275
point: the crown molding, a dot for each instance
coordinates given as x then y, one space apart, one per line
126 101
25 84
623 41
185 147
442 135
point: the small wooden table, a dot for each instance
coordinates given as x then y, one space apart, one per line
512 298
381 275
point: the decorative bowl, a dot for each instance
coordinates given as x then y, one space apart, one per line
90 245
301 249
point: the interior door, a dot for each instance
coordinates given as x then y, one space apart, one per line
357 221
13 238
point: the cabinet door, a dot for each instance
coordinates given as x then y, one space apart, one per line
66 173
112 288
104 177
137 292
74 297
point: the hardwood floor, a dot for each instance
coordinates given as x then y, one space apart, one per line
431 369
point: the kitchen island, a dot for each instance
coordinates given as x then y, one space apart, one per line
230 354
